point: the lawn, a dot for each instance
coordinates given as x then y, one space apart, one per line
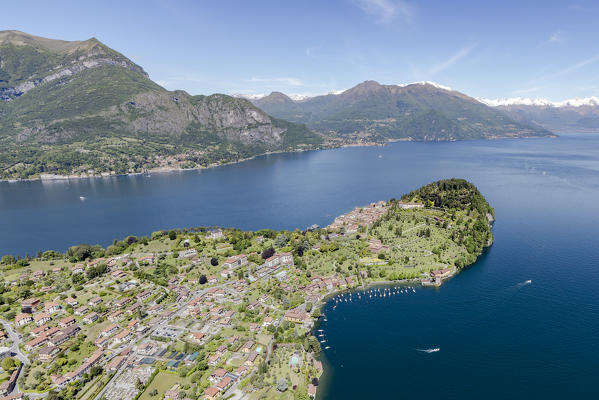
162 383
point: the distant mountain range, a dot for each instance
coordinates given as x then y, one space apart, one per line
81 108
420 111
574 115
71 107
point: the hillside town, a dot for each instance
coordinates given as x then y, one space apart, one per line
206 313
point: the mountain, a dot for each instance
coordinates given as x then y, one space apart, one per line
70 107
574 115
420 111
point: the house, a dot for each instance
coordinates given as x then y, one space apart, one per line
119 273
48 353
155 309
144 295
94 302
29 305
64 335
215 234
41 318
116 316
23 319
40 330
35 343
212 280
102 341
188 253
133 309
37 275
224 383
198 337
296 315
123 336
52 307
82 310
217 375
146 260
122 302
66 321
286 259
77 269
247 346
376 246
235 261
71 302
242 370
115 363
109 330
272 261
133 324
90 318
211 393
440 274
409 205
251 359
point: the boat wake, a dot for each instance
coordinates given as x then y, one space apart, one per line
429 351
521 284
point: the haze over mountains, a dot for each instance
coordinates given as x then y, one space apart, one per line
420 111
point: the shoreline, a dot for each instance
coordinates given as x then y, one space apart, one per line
163 170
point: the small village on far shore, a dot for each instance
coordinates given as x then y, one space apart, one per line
210 313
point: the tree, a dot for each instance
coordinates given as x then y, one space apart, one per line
268 253
8 260
214 261
8 364
203 279
172 234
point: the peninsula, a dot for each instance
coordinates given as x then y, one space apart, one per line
207 313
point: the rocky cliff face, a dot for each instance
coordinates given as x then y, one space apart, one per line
89 106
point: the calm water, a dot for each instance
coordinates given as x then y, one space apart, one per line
498 338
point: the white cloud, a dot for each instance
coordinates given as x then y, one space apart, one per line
387 10
435 69
285 81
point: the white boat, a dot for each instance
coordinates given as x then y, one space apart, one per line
429 351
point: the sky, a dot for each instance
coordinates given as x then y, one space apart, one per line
539 49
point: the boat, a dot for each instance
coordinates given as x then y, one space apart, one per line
528 282
429 351
82 198
328 347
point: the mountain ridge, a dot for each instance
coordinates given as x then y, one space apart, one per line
73 107
417 111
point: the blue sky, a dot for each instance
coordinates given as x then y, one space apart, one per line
489 49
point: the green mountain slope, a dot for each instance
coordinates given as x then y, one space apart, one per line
71 107
421 111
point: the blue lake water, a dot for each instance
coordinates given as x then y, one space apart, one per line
498 338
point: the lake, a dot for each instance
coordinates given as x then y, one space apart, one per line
498 337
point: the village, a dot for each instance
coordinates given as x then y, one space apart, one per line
206 313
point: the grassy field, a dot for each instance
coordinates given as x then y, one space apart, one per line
162 383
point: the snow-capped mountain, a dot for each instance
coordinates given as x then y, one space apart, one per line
572 115
523 101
